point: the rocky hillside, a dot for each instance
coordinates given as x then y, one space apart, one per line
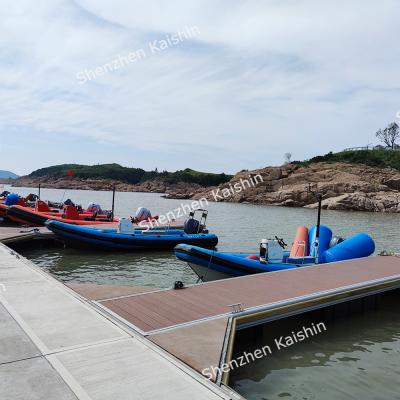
343 187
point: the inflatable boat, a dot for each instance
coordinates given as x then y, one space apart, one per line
3 209
210 265
128 239
306 251
8 199
38 215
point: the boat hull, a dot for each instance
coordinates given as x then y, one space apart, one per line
209 265
110 239
3 210
207 274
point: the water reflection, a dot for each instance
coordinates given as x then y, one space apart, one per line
140 269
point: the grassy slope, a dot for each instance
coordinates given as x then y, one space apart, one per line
372 158
130 175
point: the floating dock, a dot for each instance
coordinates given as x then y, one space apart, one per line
18 234
197 324
56 345
105 342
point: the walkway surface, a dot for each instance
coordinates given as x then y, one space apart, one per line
55 345
14 234
167 309
194 325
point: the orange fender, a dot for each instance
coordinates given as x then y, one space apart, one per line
300 246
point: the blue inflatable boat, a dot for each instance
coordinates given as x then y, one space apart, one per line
211 264
134 240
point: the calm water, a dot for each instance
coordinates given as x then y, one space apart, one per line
239 227
359 358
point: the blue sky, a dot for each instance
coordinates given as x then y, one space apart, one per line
261 78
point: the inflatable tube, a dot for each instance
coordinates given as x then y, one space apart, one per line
300 246
357 246
325 236
3 210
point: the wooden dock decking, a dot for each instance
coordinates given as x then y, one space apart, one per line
165 309
15 234
197 324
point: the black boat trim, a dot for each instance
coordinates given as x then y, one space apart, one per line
28 217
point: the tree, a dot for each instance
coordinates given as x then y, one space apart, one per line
390 135
287 157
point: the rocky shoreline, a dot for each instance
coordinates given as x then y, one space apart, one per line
343 187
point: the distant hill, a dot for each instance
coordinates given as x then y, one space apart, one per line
130 175
7 175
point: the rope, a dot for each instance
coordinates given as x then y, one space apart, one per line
209 262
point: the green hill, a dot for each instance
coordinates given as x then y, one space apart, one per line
372 158
130 175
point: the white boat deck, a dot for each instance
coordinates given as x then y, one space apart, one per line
55 345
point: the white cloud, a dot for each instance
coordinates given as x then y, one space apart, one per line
262 78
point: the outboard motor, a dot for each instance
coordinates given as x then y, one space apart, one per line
193 226
142 214
94 208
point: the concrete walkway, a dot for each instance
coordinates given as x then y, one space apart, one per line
54 345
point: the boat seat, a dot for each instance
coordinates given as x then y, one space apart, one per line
41 206
125 226
70 212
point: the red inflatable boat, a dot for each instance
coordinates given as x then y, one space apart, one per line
4 208
41 213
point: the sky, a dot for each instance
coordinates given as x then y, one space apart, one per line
254 80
